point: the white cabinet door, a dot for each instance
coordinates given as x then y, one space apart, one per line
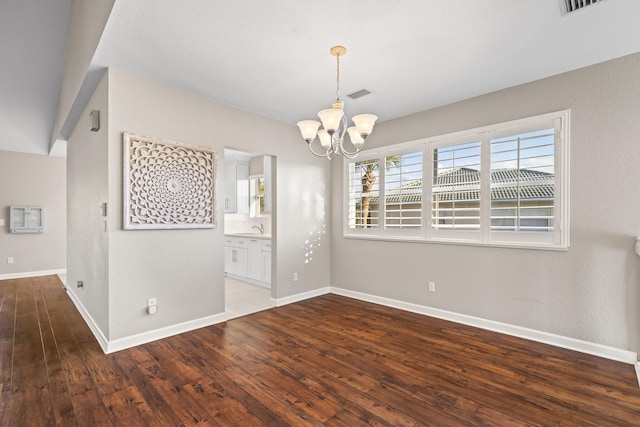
236 187
266 267
248 258
255 261
242 187
228 259
229 187
239 262
236 257
266 261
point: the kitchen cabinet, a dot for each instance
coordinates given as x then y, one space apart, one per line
244 259
236 187
255 259
229 187
236 256
266 261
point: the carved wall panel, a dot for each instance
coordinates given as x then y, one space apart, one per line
167 184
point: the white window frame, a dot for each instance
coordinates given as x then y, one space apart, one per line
371 232
409 233
444 234
558 239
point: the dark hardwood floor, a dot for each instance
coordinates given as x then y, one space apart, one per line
325 361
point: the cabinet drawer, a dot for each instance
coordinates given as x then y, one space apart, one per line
236 242
266 245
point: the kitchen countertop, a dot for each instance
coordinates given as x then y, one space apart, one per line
250 235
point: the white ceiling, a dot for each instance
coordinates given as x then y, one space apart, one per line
272 57
33 35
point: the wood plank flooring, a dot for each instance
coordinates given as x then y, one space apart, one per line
325 361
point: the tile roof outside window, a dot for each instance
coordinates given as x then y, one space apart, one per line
531 185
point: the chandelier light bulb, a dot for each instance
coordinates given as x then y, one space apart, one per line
331 119
309 129
356 139
364 123
325 138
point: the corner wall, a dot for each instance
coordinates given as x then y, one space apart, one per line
184 269
588 293
87 189
37 180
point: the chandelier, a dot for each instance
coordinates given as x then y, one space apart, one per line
334 123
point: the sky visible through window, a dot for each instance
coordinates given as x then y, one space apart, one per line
535 152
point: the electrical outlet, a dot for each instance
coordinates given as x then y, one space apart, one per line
295 277
432 286
10 260
152 306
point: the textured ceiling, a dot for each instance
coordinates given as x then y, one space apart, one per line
272 57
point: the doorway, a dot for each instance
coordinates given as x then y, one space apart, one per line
249 216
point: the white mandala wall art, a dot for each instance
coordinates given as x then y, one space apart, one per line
167 184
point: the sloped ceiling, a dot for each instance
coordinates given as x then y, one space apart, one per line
33 36
272 58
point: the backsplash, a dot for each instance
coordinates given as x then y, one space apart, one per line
242 223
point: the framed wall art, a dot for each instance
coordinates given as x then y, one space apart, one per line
167 184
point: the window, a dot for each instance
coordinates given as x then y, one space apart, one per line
502 185
522 182
456 187
364 194
403 191
256 197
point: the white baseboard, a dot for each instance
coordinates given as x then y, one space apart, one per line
165 332
95 329
32 274
279 302
594 349
144 337
587 347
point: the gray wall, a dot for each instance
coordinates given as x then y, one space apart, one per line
87 176
588 292
32 179
184 269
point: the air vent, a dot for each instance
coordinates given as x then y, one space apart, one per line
359 94
569 6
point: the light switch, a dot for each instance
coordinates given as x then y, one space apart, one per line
1 222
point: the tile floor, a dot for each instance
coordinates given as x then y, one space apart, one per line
243 298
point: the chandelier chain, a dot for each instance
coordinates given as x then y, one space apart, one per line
338 77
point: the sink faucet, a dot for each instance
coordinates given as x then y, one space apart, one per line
260 228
